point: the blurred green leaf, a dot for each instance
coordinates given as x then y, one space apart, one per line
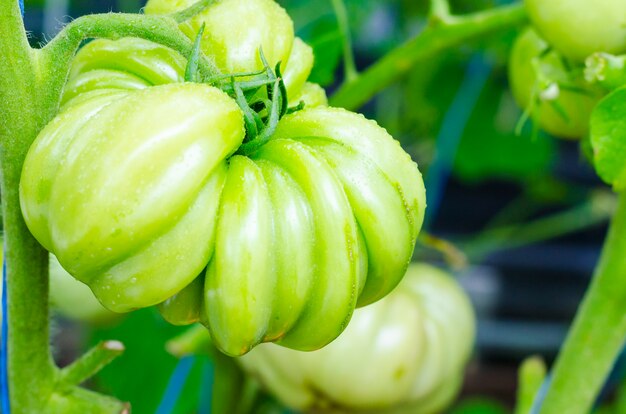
489 147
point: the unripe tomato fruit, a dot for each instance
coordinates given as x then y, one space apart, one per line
139 191
407 350
578 28
529 56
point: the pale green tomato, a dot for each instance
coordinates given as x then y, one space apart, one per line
235 31
578 28
535 74
405 353
136 190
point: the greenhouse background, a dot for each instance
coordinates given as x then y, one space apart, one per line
519 216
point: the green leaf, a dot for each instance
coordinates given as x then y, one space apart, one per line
491 149
608 139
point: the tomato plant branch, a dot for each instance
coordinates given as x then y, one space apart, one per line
597 210
598 331
349 66
90 363
432 40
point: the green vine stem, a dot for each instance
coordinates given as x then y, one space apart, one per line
432 40
598 332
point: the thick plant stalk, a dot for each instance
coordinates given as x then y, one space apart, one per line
29 359
598 332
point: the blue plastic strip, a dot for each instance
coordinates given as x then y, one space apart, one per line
449 137
175 385
21 3
4 372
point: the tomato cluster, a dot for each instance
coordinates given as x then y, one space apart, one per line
409 349
143 190
547 76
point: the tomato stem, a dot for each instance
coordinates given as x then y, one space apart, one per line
432 40
598 332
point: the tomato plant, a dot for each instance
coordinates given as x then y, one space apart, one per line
182 158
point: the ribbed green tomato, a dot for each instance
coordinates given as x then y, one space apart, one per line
136 190
578 28
535 74
406 352
235 30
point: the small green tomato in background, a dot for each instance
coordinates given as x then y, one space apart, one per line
406 353
74 299
235 30
578 28
558 97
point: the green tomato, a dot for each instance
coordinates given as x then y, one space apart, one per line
578 28
560 99
235 31
136 189
408 350
323 216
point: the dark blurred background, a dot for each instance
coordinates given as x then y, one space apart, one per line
526 209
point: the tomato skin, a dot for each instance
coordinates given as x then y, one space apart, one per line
578 28
124 64
407 350
235 30
525 84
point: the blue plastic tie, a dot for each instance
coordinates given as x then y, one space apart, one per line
175 385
